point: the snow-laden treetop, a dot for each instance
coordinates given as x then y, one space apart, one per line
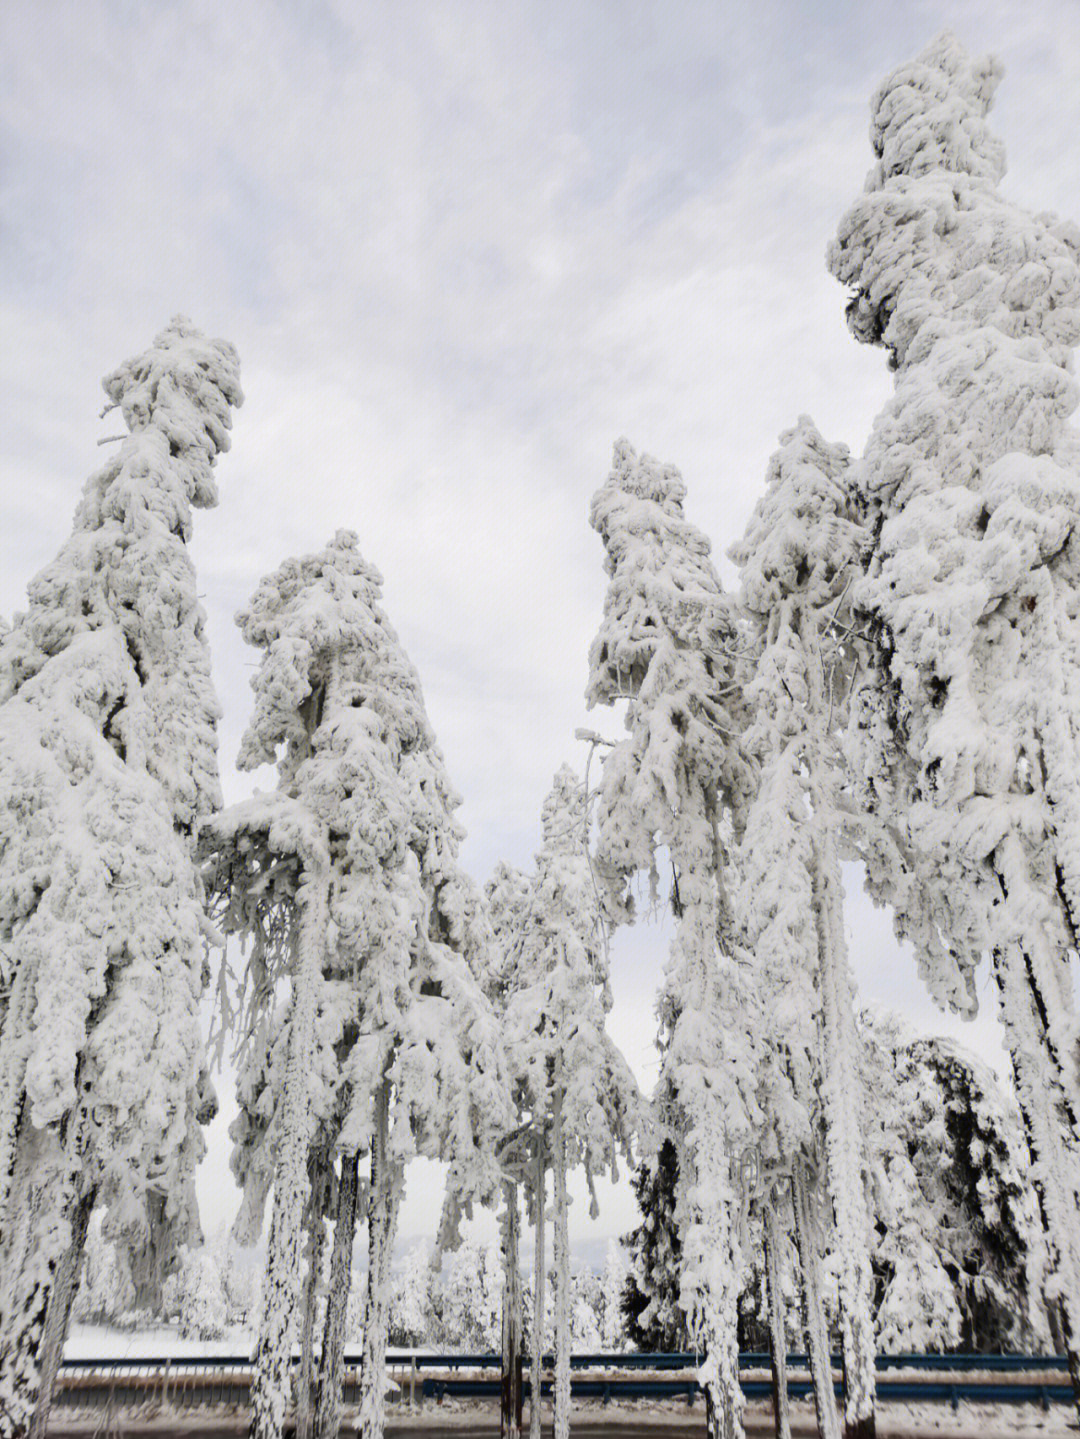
662 579
972 469
932 240
668 645
930 115
126 564
803 537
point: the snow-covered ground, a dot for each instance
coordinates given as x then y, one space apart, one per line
103 1341
895 1421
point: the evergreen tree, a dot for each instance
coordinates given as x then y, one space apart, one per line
410 1316
573 1081
107 771
966 727
346 881
616 1272
650 1302
669 647
509 894
472 1299
106 1294
799 558
957 1234
195 1295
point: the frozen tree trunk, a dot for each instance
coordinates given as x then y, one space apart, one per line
843 1141
386 1186
562 1274
842 1084
305 1380
270 1380
34 1260
711 1258
511 1319
56 1324
716 1331
14 1035
1054 1162
539 1277
778 1340
817 1329
331 1370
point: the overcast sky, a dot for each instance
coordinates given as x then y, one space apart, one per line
462 247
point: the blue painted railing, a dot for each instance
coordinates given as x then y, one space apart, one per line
203 1379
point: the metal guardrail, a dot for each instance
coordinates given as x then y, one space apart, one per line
607 1389
634 1359
640 1359
185 1381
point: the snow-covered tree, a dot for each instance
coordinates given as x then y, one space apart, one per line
799 558
650 1302
668 646
410 1316
572 1080
613 1280
346 881
509 893
957 1242
585 1317
194 1295
966 728
105 1294
107 770
472 1296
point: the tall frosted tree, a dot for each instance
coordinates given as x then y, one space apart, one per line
668 646
957 1248
509 894
366 1030
799 558
107 771
574 1081
966 726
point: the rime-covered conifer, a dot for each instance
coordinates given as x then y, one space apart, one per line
668 647
650 1300
799 558
957 1243
966 729
107 770
573 1081
509 894
367 1032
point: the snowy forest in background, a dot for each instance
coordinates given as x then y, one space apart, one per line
891 682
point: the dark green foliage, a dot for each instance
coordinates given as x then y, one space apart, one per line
650 1304
988 1197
